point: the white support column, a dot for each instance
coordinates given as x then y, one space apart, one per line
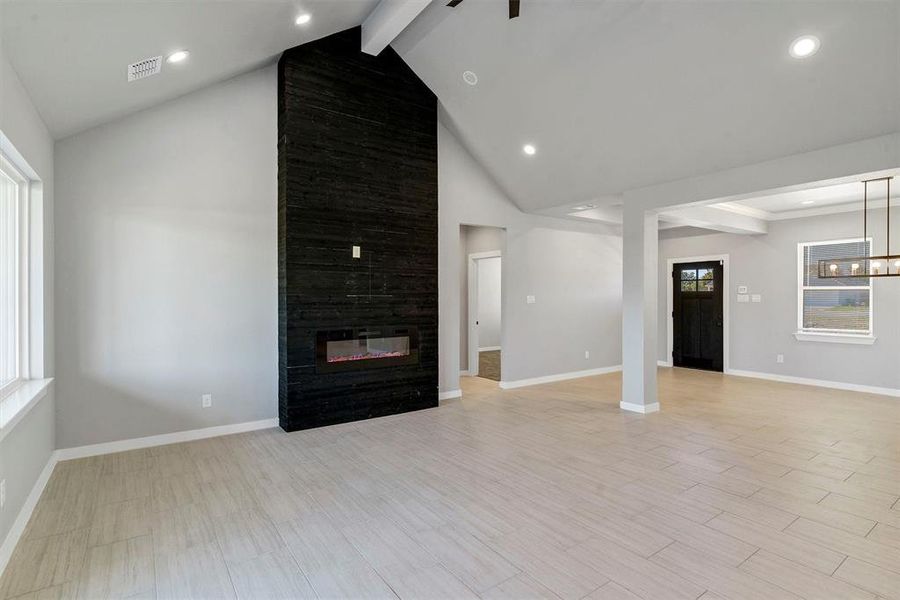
640 257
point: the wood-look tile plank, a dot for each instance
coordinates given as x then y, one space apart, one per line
847 543
246 535
475 564
121 521
863 509
432 583
638 574
118 570
788 546
803 581
722 481
612 591
731 550
273 576
520 587
751 509
550 565
875 579
349 579
63 591
197 572
181 528
816 512
44 562
885 534
388 548
727 581
123 485
315 542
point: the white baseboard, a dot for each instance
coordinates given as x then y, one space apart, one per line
449 395
466 373
640 408
18 526
837 385
508 385
163 439
489 348
663 363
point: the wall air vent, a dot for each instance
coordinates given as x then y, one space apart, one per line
144 68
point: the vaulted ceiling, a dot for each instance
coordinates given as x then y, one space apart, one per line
71 55
615 95
619 95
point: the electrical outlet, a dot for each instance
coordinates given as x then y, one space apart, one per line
587 353
779 358
2 493
206 400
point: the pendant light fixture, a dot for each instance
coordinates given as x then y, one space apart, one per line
887 265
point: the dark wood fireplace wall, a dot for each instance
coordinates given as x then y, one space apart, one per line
357 166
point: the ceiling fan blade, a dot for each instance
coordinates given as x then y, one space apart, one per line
453 3
513 8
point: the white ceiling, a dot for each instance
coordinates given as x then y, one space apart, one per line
829 196
615 94
618 95
71 55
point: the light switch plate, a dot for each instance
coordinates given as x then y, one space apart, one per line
743 298
742 289
357 251
756 298
529 299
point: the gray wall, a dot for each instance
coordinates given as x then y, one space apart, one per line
167 258
166 252
27 447
473 239
767 264
574 270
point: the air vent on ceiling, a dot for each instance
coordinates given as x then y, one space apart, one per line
144 68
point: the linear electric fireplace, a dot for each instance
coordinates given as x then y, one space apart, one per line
372 347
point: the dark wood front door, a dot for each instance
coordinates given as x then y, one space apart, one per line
697 319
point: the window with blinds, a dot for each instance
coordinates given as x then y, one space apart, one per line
834 305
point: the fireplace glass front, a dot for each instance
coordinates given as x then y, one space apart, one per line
351 349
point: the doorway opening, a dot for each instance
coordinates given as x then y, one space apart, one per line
481 302
698 312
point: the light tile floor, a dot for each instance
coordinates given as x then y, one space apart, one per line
738 489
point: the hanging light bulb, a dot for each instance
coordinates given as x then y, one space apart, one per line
864 265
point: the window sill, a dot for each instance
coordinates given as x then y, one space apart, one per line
835 338
16 405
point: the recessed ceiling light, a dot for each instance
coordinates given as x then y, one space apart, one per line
529 149
302 19
177 57
804 46
808 202
470 77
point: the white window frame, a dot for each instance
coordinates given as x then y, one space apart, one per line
23 268
851 336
